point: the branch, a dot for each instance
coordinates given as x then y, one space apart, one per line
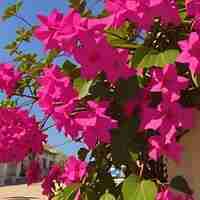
24 20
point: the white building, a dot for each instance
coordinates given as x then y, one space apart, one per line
12 173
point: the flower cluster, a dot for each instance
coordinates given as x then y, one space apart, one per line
190 52
73 172
91 119
135 11
58 98
48 182
8 78
167 194
19 135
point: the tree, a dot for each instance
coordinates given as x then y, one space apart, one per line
127 90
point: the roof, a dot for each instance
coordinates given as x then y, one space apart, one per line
52 150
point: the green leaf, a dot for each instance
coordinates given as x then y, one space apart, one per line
119 38
134 156
135 189
146 58
51 56
68 193
70 69
12 10
82 153
107 196
82 86
179 183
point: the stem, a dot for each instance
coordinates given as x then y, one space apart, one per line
24 20
27 96
44 121
45 129
58 145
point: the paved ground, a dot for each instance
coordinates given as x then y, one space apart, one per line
21 192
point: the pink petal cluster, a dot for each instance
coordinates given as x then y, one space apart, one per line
136 11
19 135
58 98
193 10
190 52
8 78
96 55
166 80
57 29
93 125
74 170
61 31
165 118
56 90
33 173
167 194
96 125
48 182
165 145
193 7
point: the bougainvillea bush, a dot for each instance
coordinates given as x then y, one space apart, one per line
127 89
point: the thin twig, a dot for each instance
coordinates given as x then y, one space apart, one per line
24 20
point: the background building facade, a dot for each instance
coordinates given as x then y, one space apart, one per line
14 173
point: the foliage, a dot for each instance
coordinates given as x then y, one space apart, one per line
127 88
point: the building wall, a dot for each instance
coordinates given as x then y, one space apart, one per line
11 173
190 165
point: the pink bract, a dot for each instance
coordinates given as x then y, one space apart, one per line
48 182
74 170
193 7
190 52
136 10
167 194
96 125
167 115
165 145
166 80
56 89
8 78
57 30
26 137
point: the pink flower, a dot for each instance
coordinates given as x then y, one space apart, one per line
56 89
96 55
93 53
117 67
57 30
135 11
48 182
193 7
167 115
64 120
167 194
196 24
166 80
19 135
33 173
190 52
165 145
74 170
96 125
8 78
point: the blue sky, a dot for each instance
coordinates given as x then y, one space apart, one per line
7 33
